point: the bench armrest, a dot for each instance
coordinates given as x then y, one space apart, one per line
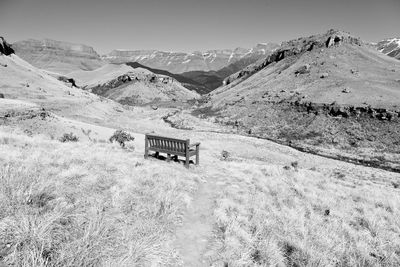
195 144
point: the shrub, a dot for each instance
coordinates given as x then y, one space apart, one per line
69 138
121 137
225 155
295 164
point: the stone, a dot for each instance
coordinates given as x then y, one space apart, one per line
353 71
303 70
1 95
324 75
346 90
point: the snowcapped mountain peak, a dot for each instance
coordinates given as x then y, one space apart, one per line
390 47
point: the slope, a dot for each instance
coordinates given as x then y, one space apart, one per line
185 81
327 93
57 56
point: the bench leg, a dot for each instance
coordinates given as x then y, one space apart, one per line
168 157
197 157
157 154
146 153
187 162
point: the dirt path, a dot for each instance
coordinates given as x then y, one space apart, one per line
196 231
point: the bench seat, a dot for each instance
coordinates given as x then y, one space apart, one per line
171 146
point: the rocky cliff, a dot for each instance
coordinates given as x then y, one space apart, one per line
57 56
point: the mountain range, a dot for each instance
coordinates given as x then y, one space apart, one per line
199 71
202 72
177 62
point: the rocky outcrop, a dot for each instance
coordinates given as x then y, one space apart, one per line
154 79
67 81
57 56
336 110
5 48
337 38
297 47
177 62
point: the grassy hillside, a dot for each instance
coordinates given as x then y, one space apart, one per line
132 86
210 79
86 204
338 99
185 80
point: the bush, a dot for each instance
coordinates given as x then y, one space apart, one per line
121 137
69 138
225 155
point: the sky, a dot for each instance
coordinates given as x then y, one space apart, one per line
193 25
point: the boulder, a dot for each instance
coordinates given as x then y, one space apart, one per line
324 75
353 71
303 69
1 95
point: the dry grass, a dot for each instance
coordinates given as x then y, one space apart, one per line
277 216
86 204
95 204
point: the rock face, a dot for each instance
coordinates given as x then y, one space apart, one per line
390 47
177 62
5 48
57 56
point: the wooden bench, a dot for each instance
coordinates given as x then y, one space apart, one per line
173 146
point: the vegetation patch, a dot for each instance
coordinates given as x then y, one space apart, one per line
69 137
287 218
121 137
87 204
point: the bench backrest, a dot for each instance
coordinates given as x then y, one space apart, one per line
166 143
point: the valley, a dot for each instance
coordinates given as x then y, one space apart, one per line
299 156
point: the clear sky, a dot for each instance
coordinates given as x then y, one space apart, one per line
190 25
